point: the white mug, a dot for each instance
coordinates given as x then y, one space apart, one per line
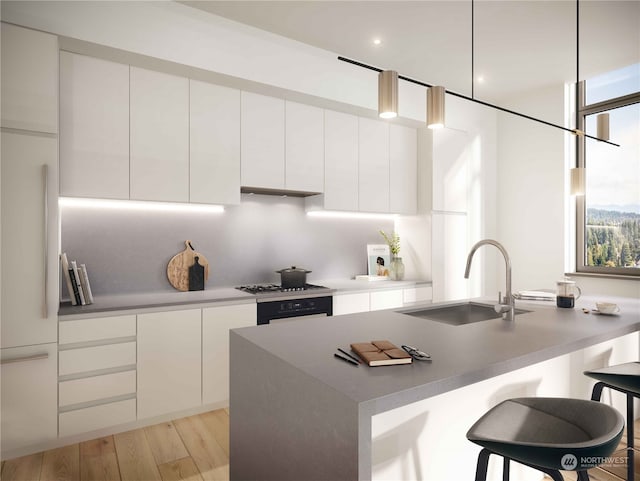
607 307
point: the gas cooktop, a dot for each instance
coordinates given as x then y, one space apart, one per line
275 288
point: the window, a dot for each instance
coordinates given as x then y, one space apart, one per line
608 216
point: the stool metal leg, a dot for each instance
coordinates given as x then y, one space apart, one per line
483 464
596 394
505 469
583 476
630 436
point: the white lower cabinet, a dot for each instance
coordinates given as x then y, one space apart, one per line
379 300
169 362
216 324
29 391
375 300
350 303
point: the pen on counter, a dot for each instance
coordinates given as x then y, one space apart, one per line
350 361
351 356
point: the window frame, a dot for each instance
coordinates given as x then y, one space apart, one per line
585 110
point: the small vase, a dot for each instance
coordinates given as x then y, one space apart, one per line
396 269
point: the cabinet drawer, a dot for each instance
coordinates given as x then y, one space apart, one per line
97 417
97 329
97 387
99 357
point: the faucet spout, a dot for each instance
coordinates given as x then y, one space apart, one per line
505 306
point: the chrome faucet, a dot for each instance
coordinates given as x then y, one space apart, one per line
506 305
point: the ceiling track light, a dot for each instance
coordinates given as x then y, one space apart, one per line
388 94
578 181
486 104
603 126
435 107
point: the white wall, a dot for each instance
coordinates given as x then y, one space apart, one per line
531 185
178 33
535 213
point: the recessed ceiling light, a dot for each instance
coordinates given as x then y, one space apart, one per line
377 41
480 79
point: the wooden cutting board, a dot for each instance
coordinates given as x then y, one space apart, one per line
178 267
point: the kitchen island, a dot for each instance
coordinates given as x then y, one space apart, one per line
298 413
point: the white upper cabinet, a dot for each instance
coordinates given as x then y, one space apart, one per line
373 167
159 139
214 140
304 148
262 141
94 127
340 161
29 79
403 164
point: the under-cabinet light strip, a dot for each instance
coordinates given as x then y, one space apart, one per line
349 215
137 205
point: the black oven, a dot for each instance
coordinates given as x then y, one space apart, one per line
287 308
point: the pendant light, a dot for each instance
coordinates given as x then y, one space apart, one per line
603 126
388 94
578 180
435 107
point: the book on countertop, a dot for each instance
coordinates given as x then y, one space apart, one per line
381 353
84 282
74 267
71 288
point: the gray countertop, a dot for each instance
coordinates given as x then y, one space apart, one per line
109 305
140 301
462 355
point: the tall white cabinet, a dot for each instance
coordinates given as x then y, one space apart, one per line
29 79
94 126
29 183
159 139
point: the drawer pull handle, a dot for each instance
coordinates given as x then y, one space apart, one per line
34 357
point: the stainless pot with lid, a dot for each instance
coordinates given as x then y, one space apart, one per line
293 277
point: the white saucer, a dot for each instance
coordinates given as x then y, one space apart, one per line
596 311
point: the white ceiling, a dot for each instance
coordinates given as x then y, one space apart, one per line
518 45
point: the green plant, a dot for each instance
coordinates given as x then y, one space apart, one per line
393 241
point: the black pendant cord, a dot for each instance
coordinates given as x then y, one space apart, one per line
472 50
486 104
577 107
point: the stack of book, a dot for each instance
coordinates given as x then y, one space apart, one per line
77 281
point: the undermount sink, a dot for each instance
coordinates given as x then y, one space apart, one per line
459 314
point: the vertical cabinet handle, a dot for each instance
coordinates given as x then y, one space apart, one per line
45 240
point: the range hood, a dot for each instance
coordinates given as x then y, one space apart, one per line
277 192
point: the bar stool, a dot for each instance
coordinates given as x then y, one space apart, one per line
547 434
624 378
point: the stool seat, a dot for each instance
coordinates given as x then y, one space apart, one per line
622 376
539 432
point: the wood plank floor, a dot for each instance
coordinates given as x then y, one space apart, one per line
194 448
